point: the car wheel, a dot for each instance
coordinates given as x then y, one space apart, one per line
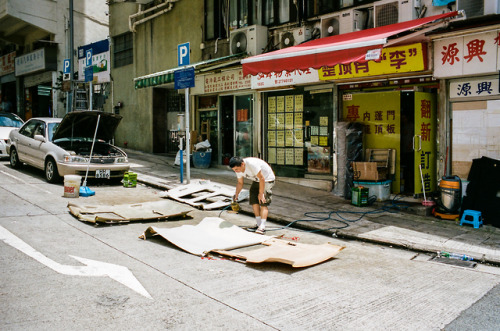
51 173
14 159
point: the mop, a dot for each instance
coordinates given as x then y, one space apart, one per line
425 202
84 190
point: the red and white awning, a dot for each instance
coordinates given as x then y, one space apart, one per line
329 51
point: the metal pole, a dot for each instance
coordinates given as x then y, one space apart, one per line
91 89
182 160
188 138
71 62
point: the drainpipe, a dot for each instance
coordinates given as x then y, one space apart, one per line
132 17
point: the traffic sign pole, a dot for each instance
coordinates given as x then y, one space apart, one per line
188 138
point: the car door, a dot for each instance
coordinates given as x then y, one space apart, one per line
23 141
38 148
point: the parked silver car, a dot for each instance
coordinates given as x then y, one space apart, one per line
8 122
62 146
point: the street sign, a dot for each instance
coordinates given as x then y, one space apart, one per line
184 78
88 57
183 54
66 77
89 74
66 68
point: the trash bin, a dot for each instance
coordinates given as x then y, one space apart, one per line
202 159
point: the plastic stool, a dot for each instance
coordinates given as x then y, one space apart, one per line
477 219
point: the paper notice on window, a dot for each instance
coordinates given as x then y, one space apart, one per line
271 104
271 138
323 131
271 121
323 140
323 121
271 155
314 130
298 120
280 156
289 158
288 120
289 138
289 103
280 138
299 138
280 121
280 104
299 156
314 140
299 103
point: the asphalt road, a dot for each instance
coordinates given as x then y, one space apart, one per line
46 283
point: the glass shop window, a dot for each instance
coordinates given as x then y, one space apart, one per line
279 12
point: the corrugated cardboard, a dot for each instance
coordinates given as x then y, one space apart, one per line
368 171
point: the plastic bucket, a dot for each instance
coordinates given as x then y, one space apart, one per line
202 159
72 186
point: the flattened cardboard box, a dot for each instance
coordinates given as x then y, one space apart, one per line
368 171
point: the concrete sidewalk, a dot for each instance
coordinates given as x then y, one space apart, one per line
400 223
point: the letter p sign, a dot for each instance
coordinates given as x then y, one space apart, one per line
183 54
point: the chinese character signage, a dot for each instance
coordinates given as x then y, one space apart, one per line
474 87
31 62
284 78
407 58
100 61
7 65
467 55
226 81
425 142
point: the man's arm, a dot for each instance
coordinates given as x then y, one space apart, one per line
239 187
262 183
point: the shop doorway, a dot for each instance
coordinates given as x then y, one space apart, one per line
227 128
406 122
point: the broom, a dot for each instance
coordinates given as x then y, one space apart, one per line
84 190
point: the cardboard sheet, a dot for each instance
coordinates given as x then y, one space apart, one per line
210 234
155 210
296 254
205 194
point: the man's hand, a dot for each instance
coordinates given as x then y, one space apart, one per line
262 198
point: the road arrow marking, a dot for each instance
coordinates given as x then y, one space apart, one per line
92 268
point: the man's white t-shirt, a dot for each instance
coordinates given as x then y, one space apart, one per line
252 167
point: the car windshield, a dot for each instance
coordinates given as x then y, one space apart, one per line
11 121
52 129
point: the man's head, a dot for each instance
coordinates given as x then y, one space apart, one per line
237 164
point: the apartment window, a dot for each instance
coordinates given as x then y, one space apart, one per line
279 11
123 50
244 12
318 7
215 19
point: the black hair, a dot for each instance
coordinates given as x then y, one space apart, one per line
235 162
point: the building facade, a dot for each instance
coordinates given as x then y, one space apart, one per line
35 40
259 92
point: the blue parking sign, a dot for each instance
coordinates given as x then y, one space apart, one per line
88 57
183 54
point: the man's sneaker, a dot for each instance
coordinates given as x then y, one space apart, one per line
260 231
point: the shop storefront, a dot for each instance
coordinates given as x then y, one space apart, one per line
8 82
469 64
38 72
225 114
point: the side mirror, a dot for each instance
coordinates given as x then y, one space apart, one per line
39 137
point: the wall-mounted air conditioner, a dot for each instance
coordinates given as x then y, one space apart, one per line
343 22
474 8
295 36
394 11
250 39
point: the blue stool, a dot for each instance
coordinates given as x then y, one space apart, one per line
477 219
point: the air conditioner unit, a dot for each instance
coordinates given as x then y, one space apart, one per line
394 11
474 8
251 39
295 36
343 22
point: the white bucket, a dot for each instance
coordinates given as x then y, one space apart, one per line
72 186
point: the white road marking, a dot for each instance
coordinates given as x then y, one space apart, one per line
24 182
92 268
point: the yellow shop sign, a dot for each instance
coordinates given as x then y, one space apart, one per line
405 58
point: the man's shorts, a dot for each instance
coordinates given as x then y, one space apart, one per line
254 193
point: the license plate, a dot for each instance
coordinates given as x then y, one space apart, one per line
102 173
